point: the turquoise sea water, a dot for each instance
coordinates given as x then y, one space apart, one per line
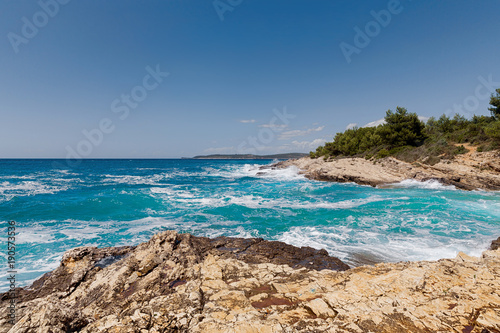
124 202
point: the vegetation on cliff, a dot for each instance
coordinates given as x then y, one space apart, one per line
405 136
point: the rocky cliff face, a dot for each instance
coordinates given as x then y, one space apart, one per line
180 283
470 171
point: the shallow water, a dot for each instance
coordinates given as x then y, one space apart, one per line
124 202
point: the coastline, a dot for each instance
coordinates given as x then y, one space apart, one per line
182 283
471 171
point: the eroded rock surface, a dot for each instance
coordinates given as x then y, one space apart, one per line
471 171
181 283
495 244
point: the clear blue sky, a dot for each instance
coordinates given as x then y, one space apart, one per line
227 76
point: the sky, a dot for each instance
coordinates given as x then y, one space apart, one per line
177 78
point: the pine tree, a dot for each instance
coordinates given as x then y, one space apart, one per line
495 103
402 128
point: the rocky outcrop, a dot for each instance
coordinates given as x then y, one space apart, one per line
495 245
468 172
181 283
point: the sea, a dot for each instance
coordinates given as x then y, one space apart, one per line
57 206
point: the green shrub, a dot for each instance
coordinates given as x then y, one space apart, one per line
493 130
460 150
432 160
383 153
397 150
404 136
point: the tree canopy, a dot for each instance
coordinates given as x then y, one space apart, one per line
402 128
405 136
495 104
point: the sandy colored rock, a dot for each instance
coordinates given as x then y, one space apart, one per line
471 171
180 283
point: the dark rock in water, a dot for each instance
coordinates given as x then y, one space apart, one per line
269 167
495 244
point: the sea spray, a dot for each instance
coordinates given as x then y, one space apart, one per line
124 202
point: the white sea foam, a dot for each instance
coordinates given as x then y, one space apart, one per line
66 180
239 232
147 224
286 174
137 180
35 235
389 225
190 199
28 188
162 190
431 184
345 242
81 232
66 172
253 171
486 193
18 177
30 269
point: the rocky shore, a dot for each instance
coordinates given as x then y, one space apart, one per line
181 283
471 171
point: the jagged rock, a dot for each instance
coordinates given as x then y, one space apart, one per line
495 244
467 172
181 283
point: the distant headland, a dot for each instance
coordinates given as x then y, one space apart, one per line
249 156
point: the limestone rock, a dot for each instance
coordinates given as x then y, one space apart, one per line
475 170
181 283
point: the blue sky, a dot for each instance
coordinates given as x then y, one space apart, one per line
243 76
